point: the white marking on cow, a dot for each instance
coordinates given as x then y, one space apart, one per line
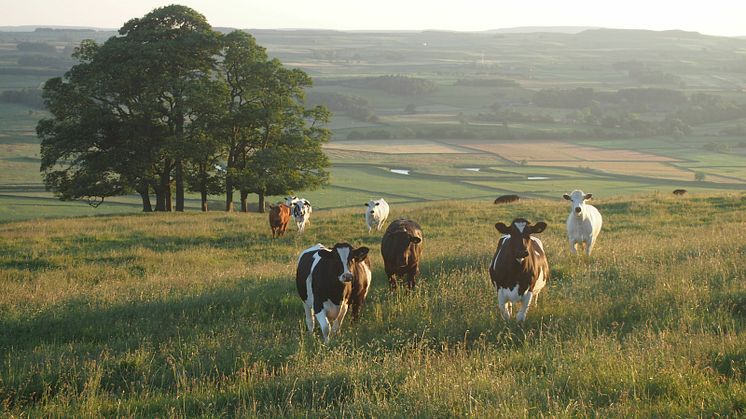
344 253
539 284
500 245
308 304
520 226
369 277
505 298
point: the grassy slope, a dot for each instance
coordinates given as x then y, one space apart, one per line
196 314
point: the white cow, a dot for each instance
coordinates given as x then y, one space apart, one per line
376 213
301 213
583 223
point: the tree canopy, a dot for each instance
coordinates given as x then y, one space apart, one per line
170 104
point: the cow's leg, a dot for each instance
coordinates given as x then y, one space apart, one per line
323 324
573 250
411 279
525 303
340 318
309 317
589 246
504 305
392 282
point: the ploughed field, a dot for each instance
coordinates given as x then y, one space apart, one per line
197 314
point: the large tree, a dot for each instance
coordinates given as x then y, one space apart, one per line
97 144
284 151
175 50
239 70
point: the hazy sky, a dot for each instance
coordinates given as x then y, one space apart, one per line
715 17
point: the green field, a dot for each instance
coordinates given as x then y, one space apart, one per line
197 315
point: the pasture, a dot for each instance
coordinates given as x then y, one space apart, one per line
197 315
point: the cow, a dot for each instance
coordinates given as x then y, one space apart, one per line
583 223
679 192
376 213
401 248
326 278
519 269
301 213
279 216
506 199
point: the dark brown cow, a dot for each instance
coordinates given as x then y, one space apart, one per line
506 199
401 248
279 217
519 269
326 282
679 192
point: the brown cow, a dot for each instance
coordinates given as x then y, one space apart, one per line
679 192
401 248
519 269
279 216
506 199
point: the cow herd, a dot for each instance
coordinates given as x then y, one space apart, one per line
331 281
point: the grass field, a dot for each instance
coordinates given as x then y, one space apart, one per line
197 315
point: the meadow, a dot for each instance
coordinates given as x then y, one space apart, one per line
191 314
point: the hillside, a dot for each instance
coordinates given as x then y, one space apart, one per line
469 115
197 314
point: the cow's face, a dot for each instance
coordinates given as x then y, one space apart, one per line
520 231
577 198
401 242
372 207
344 256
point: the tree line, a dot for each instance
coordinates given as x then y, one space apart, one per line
170 106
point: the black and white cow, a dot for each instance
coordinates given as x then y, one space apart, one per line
519 269
301 211
326 280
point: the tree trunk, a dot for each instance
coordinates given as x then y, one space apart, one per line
229 194
229 184
169 201
143 191
203 185
244 201
179 177
261 202
163 189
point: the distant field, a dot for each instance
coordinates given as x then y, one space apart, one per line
394 147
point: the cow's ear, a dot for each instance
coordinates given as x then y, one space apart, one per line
539 227
307 203
566 196
588 196
326 253
366 204
360 253
415 239
502 228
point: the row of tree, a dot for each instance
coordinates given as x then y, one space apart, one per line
170 106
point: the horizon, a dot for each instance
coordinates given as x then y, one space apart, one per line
716 18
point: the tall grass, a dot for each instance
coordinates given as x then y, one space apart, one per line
197 315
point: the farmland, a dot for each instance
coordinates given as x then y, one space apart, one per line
479 132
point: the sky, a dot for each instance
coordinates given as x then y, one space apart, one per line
712 17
